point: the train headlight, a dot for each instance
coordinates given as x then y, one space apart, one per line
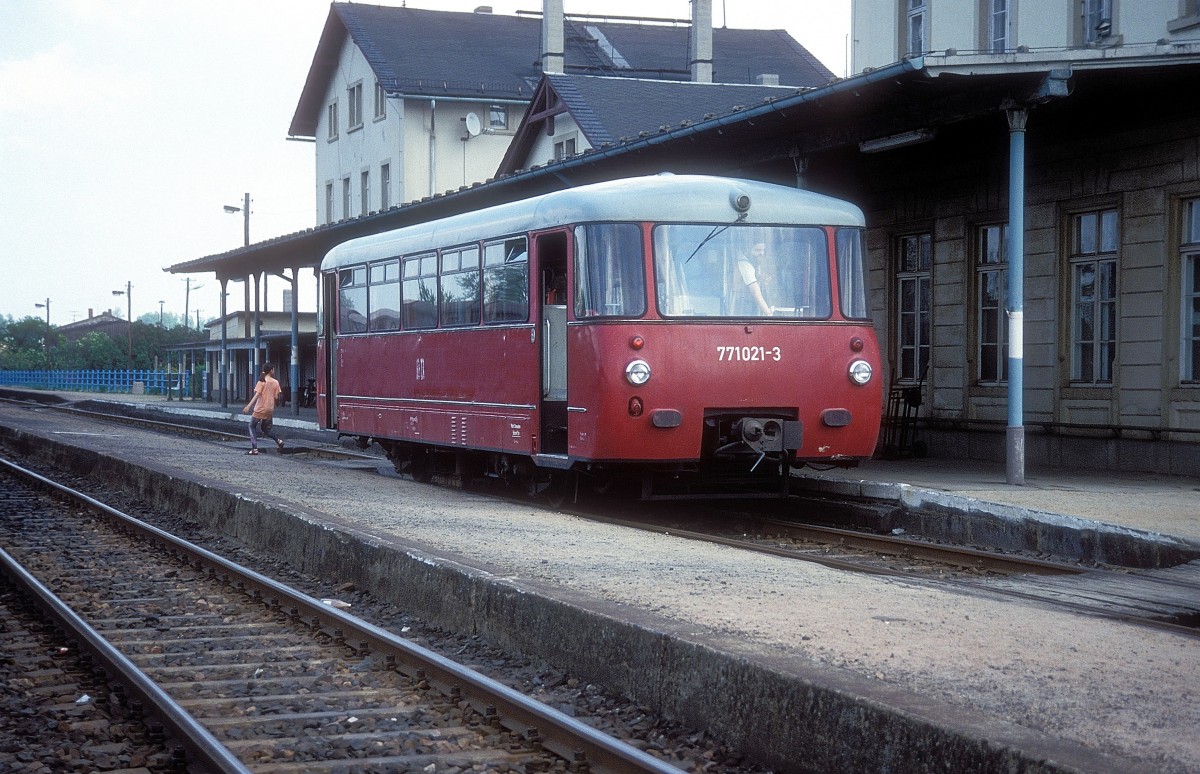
860 372
637 372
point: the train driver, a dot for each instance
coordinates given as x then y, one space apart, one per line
748 295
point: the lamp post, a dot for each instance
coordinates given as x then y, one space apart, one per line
187 300
128 293
245 210
46 341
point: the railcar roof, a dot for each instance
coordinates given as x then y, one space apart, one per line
658 198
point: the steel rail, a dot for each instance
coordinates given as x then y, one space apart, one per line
206 750
562 734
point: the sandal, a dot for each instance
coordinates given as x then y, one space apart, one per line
253 451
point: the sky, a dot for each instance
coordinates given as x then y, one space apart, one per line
126 127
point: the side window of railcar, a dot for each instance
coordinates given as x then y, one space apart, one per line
420 292
506 281
852 273
385 296
609 275
352 300
459 288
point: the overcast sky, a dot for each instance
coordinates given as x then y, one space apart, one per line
127 125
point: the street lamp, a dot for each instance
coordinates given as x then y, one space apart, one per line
47 339
187 299
128 293
245 210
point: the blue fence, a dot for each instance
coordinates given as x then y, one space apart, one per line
123 381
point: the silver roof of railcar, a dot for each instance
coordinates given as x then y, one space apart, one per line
657 198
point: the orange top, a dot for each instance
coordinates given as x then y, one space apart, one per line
265 393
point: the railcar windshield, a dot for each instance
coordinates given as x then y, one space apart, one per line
742 271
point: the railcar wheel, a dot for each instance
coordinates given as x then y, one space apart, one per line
561 487
420 466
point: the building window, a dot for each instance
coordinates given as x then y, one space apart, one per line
329 202
564 149
332 118
1191 290
497 117
991 283
914 296
1093 296
364 190
380 101
996 39
1097 20
345 197
916 16
385 186
354 111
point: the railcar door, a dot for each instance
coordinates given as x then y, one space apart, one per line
551 254
327 410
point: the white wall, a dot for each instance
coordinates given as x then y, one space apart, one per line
565 128
876 25
401 139
457 162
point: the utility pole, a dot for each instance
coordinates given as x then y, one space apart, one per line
128 293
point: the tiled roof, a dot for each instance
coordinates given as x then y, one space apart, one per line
608 110
492 56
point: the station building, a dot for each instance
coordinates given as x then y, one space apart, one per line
1095 130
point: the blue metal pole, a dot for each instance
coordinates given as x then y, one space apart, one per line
1015 435
294 366
224 365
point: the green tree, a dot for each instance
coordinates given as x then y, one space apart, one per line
23 343
94 351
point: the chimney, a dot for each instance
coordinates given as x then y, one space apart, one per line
552 36
89 313
767 79
700 42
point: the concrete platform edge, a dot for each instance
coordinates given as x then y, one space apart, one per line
800 719
970 521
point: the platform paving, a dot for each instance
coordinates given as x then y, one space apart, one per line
809 669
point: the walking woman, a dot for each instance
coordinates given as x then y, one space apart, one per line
266 392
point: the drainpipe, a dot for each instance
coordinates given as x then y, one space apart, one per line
1015 434
432 147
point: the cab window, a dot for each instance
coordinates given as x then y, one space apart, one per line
609 271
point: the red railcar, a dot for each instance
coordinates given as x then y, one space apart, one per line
688 331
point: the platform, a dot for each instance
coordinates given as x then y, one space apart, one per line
812 668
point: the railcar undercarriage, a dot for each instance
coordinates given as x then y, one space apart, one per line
742 456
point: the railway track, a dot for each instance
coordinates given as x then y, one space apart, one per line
1162 599
1167 599
246 674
